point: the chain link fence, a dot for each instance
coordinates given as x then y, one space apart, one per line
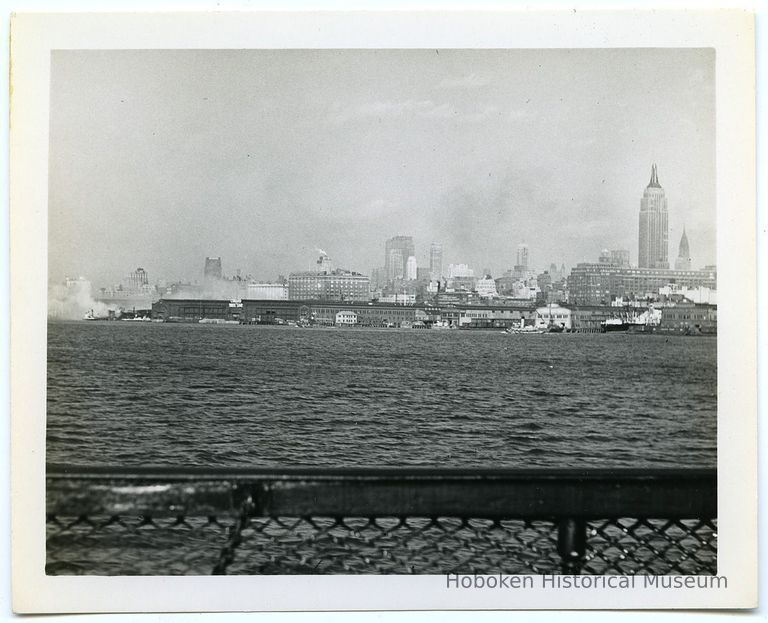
167 524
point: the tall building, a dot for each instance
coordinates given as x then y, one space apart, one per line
486 287
337 285
599 284
554 272
615 257
212 268
378 277
620 257
423 274
324 264
522 256
133 291
654 232
436 260
395 268
411 268
683 261
138 280
397 250
459 270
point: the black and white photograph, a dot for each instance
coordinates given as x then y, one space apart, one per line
414 311
385 311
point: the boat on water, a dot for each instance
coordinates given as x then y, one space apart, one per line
614 324
90 315
631 320
526 330
441 324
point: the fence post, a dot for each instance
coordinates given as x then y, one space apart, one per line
227 554
571 544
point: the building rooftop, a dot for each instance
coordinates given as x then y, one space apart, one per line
336 272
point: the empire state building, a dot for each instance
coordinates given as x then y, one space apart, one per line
654 232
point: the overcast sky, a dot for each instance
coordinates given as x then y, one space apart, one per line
161 158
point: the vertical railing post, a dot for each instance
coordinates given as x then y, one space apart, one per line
227 554
571 544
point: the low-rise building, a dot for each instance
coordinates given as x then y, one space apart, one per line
346 317
554 315
398 299
471 317
694 295
689 318
589 318
195 310
267 291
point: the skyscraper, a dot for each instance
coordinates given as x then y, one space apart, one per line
212 268
436 260
138 280
522 256
654 233
411 268
397 250
395 268
683 261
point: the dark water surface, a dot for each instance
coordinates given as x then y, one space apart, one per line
126 394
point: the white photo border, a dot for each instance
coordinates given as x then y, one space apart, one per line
34 36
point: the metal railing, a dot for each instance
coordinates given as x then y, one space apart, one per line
161 521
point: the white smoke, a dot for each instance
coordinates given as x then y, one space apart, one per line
72 300
210 290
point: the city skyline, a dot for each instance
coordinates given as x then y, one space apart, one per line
436 271
260 157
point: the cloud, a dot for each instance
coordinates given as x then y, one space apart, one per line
386 109
422 109
373 210
482 115
465 82
443 111
520 113
380 206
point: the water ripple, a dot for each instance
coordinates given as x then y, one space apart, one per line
128 394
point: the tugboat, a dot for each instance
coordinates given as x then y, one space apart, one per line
89 315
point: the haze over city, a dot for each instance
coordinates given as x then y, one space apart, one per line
262 157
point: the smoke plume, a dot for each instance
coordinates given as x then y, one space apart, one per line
72 300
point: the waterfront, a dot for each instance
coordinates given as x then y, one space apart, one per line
136 394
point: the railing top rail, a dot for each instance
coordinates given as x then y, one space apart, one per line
407 491
196 473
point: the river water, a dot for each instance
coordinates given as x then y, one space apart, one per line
127 394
